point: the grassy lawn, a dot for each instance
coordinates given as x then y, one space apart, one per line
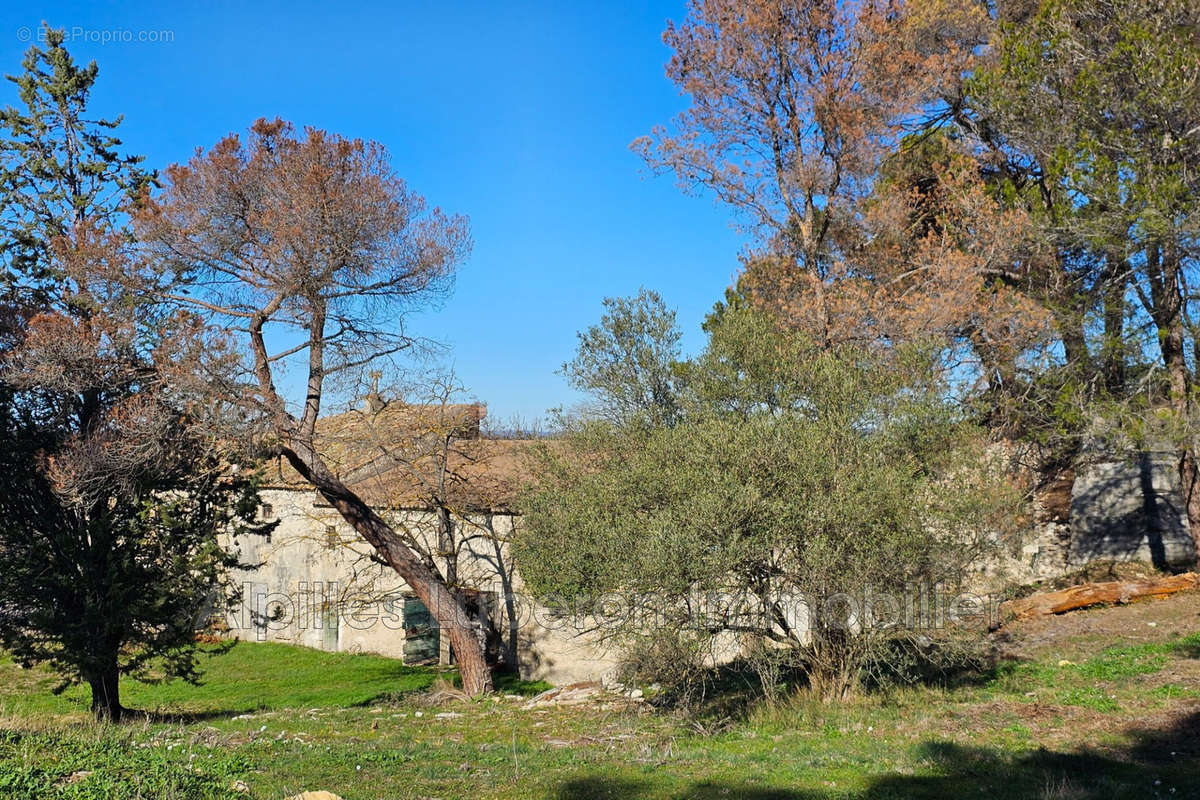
251 677
1105 704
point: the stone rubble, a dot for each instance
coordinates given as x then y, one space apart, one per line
580 693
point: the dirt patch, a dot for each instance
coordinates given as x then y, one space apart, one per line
1087 632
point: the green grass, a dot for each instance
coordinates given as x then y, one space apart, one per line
1101 683
511 683
1125 662
272 721
112 766
250 677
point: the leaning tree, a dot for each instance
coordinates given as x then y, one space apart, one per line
309 247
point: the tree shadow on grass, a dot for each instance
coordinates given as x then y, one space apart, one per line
734 690
619 789
165 714
1188 647
1159 763
133 715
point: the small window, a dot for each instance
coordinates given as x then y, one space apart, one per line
331 536
267 510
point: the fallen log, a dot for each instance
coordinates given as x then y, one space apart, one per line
1094 594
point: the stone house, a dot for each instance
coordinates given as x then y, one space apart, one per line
448 490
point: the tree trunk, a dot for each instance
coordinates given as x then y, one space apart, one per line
1093 594
443 604
1071 331
1178 374
106 695
447 547
1113 350
1189 478
1163 268
512 621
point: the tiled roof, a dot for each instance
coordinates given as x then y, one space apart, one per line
403 456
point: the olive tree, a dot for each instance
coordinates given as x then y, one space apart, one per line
796 483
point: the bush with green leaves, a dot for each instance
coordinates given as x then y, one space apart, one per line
795 489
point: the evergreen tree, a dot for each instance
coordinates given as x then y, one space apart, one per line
112 494
58 167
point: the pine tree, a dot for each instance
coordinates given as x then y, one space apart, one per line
112 496
58 167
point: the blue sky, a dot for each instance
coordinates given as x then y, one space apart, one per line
518 115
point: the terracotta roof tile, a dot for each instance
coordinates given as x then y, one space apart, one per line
405 455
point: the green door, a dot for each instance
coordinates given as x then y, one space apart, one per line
329 626
421 642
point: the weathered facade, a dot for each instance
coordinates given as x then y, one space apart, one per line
447 490
318 586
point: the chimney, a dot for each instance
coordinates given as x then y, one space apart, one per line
375 403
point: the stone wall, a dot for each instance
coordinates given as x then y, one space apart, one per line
1108 509
317 586
1130 510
